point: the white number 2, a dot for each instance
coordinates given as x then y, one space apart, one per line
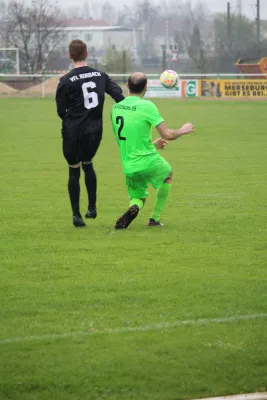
90 98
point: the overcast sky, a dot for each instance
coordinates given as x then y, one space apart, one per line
248 6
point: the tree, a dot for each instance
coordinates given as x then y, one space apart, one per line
118 62
2 9
234 41
172 22
108 13
193 34
196 50
234 38
142 17
34 29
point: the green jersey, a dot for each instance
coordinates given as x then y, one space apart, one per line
132 120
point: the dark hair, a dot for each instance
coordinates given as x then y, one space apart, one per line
77 50
137 85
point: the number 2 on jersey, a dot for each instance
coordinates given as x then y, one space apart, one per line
90 98
120 121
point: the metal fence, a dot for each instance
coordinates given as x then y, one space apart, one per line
45 85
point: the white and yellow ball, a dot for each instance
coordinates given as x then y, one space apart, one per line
169 79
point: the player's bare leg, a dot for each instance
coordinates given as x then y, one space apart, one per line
161 200
74 193
91 186
125 220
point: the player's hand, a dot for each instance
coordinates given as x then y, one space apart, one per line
187 128
160 143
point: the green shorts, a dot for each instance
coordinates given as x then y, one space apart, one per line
137 183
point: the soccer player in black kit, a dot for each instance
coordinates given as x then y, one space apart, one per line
80 99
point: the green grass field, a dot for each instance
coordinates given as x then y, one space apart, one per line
173 313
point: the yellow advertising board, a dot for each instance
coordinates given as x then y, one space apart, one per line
234 88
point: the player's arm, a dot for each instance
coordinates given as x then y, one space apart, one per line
153 116
173 134
61 99
114 90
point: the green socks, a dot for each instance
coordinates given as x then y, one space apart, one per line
137 202
161 199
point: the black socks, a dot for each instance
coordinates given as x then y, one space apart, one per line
74 187
91 184
74 190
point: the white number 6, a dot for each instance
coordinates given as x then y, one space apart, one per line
90 98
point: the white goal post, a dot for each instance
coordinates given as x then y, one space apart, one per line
16 50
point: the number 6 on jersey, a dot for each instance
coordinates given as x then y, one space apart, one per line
90 98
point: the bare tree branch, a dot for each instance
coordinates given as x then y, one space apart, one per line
35 29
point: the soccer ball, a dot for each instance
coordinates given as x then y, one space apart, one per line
169 79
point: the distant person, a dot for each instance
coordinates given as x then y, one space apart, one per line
132 121
80 99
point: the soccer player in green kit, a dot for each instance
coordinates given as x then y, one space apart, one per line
132 120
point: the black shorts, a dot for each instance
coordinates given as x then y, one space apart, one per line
80 144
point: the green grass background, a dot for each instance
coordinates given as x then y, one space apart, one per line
209 261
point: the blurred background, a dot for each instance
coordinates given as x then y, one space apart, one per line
122 36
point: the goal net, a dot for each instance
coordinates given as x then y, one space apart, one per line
9 61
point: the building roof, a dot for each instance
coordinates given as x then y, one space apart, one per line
81 23
96 28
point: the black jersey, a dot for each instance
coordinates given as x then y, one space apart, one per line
80 97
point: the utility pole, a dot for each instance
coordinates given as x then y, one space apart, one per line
239 20
229 25
124 63
258 22
164 57
167 32
239 5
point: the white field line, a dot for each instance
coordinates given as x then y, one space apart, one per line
236 195
249 396
145 328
